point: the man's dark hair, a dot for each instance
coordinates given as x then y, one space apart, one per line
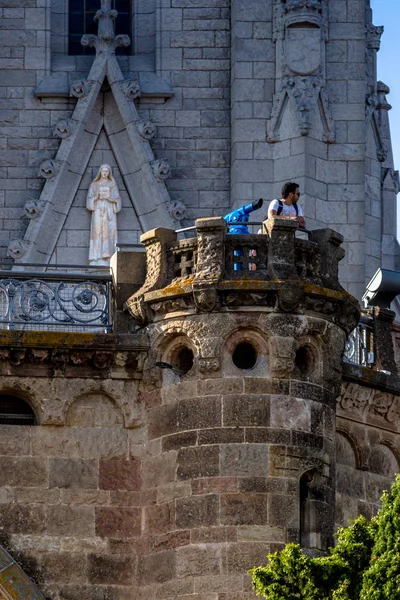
289 188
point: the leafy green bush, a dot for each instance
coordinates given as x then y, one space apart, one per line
365 564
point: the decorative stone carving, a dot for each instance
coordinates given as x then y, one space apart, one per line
177 210
381 101
17 249
132 89
105 41
104 202
210 251
369 403
374 35
49 169
32 209
80 88
161 169
146 130
63 129
300 31
282 355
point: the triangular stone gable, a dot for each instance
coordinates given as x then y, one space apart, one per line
105 102
73 243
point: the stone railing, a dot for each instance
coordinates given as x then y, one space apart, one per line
215 268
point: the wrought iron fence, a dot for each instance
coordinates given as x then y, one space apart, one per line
54 301
360 345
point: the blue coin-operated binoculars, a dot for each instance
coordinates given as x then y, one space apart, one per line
237 222
238 219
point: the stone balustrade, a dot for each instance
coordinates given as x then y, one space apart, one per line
216 269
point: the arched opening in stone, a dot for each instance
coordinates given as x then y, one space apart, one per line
183 360
310 537
15 411
244 356
305 359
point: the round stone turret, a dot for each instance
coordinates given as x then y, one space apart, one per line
247 334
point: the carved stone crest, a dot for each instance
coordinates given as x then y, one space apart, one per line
177 210
80 88
132 89
146 130
17 249
49 169
161 169
63 129
32 209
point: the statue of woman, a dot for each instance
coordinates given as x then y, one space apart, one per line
104 201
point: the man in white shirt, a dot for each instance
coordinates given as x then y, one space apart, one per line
287 207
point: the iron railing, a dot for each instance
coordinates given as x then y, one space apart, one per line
55 301
360 345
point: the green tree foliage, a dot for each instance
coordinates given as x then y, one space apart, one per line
364 565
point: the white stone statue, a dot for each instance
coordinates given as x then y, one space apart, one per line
104 201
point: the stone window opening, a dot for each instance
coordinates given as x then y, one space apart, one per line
244 356
15 411
310 537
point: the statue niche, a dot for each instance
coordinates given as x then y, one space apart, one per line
104 202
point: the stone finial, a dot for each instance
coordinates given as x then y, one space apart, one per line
105 42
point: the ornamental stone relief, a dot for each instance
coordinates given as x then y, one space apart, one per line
300 34
369 404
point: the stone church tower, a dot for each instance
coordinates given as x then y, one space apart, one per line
162 428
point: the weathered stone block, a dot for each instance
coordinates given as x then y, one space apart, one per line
201 511
246 410
157 568
249 460
70 520
198 560
27 472
73 473
118 522
199 413
198 462
244 509
15 518
159 518
111 570
119 474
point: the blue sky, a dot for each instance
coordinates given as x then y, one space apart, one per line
387 13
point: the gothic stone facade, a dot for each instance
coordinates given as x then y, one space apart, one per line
236 96
149 483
